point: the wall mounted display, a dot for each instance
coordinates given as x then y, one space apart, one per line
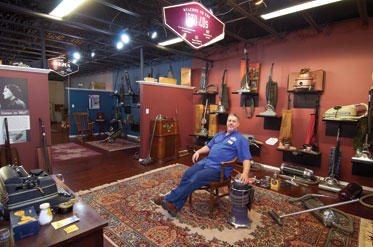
306 80
253 72
15 107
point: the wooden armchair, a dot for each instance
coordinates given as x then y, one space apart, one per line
213 187
83 123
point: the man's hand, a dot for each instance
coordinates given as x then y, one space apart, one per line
244 178
202 150
195 157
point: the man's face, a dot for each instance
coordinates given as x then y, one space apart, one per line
232 123
7 93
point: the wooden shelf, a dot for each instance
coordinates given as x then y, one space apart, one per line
300 156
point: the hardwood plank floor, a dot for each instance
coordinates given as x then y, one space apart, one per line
85 173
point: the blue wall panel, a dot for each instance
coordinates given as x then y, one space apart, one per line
78 99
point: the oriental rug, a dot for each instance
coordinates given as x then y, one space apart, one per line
134 220
68 151
117 144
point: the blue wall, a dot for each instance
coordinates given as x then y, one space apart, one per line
79 99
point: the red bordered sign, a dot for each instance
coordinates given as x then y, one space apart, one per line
194 23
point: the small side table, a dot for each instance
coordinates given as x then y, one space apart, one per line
101 125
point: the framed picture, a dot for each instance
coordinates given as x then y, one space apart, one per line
94 101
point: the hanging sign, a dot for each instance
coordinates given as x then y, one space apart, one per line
194 23
62 66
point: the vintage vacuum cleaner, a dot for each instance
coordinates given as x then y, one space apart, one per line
331 183
241 196
148 160
271 96
363 154
245 88
223 97
203 86
331 218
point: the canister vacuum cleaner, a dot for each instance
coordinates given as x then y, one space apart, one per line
241 196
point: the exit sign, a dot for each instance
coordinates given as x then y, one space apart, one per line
193 23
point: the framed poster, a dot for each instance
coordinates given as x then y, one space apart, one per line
94 101
14 108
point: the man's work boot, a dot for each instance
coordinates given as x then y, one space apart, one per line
158 199
171 208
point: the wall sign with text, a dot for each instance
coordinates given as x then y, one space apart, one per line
194 23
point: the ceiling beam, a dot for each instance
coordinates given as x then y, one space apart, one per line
97 30
363 12
252 18
312 22
119 8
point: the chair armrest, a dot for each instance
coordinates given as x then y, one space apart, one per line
226 164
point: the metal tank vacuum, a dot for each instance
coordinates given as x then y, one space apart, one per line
241 196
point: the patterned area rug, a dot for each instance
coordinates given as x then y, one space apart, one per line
134 220
68 151
118 144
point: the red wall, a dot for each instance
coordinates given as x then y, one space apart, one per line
38 96
165 101
344 51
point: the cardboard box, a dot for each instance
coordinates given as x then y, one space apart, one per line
151 79
186 76
24 223
167 80
98 85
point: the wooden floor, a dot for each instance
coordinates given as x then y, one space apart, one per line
85 173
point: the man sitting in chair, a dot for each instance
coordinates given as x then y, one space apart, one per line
225 146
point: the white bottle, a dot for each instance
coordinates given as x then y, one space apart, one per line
45 215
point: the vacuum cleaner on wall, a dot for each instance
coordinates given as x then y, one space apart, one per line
203 86
223 96
271 96
245 87
362 154
148 160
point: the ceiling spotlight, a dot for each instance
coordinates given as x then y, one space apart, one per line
125 38
119 45
154 35
93 54
76 55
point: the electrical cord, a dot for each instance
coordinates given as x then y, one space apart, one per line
364 203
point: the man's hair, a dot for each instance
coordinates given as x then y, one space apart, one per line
235 115
15 89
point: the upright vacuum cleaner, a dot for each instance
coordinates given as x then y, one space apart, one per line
363 154
223 96
271 96
148 160
331 183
